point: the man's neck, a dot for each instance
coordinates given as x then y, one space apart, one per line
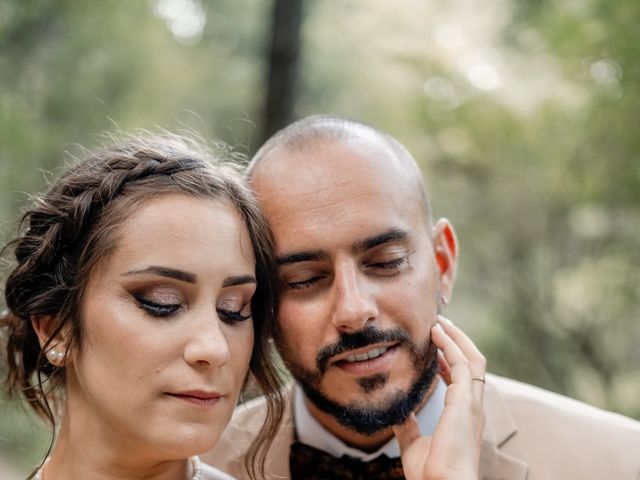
365 443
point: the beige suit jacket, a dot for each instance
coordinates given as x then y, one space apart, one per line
529 434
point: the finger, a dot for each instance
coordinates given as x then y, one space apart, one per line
477 386
459 367
407 433
445 370
414 448
467 346
477 361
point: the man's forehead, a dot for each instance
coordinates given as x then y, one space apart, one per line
328 165
339 183
346 216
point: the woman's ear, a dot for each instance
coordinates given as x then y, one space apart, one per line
445 245
56 351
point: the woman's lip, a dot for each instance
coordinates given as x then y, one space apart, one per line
197 398
201 394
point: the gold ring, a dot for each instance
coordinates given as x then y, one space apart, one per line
478 378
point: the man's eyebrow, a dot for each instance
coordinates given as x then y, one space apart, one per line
165 272
296 257
238 280
389 236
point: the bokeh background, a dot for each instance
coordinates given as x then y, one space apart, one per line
524 115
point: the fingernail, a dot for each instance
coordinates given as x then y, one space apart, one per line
445 320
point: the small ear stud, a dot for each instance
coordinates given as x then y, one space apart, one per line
443 301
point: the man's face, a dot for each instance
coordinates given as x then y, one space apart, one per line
360 281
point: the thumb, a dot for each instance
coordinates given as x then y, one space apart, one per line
414 447
407 433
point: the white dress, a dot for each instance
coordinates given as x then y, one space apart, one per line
211 473
207 473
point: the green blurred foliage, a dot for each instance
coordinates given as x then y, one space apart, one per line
523 114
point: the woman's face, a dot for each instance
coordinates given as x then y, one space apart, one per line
167 329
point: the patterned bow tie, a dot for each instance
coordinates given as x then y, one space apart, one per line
308 463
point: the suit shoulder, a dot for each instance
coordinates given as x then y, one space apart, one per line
531 401
231 448
558 437
535 408
250 414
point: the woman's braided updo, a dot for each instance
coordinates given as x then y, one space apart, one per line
75 225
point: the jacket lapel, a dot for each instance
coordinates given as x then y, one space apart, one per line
500 427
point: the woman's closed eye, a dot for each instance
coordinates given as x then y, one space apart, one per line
156 308
234 307
231 316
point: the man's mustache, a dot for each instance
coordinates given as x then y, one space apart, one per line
359 339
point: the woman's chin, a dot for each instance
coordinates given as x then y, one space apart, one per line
187 445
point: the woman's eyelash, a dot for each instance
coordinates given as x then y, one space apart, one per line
230 316
156 309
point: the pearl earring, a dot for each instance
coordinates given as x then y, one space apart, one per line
55 356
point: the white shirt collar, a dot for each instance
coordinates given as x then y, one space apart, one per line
311 433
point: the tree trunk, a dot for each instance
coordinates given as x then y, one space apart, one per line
282 72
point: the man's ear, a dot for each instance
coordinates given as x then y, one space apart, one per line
445 245
57 349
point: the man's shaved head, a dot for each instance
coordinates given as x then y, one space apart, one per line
311 133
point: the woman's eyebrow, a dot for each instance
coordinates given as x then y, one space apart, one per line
165 272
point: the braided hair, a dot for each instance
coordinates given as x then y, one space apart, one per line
75 225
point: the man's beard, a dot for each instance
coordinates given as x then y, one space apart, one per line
363 417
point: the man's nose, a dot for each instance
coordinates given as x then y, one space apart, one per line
354 304
207 344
